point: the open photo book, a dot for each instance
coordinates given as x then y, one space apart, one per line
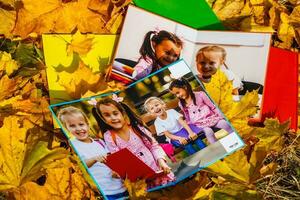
245 57
163 128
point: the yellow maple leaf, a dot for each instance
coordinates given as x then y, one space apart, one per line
62 183
237 168
245 107
80 44
8 2
7 63
234 191
56 16
242 127
35 110
234 167
23 157
286 32
249 24
220 90
203 194
272 135
136 189
81 81
7 21
295 16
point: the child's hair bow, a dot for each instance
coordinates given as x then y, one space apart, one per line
116 98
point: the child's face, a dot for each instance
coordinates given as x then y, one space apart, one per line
207 64
180 93
166 52
112 116
155 107
77 126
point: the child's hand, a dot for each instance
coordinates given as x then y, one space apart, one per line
115 174
163 165
101 159
182 140
193 135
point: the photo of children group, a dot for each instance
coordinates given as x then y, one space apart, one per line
166 121
160 42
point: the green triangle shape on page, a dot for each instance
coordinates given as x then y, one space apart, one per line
193 13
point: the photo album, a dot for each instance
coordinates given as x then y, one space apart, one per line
165 125
161 41
162 126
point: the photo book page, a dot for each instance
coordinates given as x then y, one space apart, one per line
158 42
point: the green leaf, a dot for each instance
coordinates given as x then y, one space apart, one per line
26 55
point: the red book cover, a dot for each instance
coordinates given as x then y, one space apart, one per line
281 87
126 164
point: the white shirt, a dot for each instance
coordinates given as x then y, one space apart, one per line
101 173
236 81
171 123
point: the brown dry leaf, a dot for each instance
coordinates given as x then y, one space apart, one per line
268 169
56 16
256 161
228 9
80 44
295 21
8 86
259 11
82 80
117 16
274 17
100 6
184 190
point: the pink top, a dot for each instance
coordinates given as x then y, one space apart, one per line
143 68
148 152
204 113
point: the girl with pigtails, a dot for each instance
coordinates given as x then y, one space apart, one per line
122 128
160 48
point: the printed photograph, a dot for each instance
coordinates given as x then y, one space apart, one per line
165 125
76 64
